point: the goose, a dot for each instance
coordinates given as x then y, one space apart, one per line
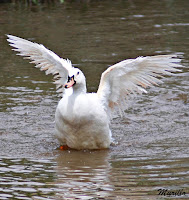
82 120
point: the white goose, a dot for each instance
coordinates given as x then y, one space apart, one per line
82 119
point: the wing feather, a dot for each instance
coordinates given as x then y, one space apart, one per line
132 77
43 58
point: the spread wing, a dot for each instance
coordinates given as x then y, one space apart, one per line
43 59
133 76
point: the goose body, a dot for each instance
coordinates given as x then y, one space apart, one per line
82 123
82 119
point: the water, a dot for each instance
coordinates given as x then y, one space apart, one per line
152 149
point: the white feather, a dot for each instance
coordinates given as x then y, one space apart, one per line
43 58
133 76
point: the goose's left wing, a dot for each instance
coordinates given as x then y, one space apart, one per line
43 58
133 76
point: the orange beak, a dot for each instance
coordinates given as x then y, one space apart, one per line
70 83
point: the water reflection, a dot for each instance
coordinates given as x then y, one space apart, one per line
92 175
84 175
87 175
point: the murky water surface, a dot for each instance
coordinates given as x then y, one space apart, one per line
151 156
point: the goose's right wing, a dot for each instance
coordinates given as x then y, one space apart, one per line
43 58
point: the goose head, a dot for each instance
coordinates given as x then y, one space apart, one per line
76 80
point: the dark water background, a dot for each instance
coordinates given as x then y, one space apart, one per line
153 139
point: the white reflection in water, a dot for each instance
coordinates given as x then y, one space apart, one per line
84 174
90 175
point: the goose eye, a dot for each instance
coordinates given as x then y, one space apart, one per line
77 73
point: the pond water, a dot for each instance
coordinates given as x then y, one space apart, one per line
151 159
